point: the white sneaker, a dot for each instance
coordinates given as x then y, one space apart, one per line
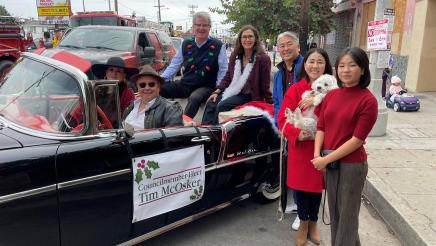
296 224
291 208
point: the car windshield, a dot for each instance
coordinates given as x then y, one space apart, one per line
40 97
103 38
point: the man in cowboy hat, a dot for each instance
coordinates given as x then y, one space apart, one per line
115 69
151 110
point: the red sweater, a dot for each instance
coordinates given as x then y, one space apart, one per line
344 113
301 174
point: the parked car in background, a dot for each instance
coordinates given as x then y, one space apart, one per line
137 46
69 176
177 42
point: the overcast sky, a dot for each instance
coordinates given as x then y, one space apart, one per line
175 11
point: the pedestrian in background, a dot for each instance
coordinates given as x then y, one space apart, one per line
57 38
288 46
274 54
302 177
46 40
342 129
385 76
248 77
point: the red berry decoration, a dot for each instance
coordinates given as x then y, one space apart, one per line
207 68
139 165
192 66
212 46
142 166
189 46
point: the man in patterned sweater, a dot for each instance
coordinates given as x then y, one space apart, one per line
204 60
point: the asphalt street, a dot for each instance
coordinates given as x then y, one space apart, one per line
250 223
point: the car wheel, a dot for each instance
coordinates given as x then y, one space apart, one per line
4 64
271 191
396 107
268 191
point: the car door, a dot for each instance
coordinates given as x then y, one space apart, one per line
246 157
28 197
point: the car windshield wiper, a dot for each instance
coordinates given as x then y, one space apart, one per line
100 47
70 46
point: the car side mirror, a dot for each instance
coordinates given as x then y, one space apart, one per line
148 52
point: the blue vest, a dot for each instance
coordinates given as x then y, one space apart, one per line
200 64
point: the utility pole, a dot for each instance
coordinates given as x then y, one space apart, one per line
192 7
304 26
158 6
116 5
380 126
83 2
109 1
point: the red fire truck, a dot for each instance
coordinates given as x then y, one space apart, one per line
13 41
105 18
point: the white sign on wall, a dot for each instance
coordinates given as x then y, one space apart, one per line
377 38
167 181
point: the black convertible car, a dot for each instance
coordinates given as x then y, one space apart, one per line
71 174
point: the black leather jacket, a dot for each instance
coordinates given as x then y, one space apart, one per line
161 114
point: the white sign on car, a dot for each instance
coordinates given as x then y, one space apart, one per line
167 181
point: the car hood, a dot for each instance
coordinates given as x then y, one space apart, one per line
94 56
409 99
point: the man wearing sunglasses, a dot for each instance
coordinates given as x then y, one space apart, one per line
204 60
151 110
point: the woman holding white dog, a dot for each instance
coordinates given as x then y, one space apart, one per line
346 117
301 174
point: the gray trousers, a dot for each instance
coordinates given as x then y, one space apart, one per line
344 190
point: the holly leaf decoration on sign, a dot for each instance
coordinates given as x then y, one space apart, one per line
147 172
138 176
200 189
153 165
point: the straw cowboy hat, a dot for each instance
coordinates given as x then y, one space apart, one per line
99 70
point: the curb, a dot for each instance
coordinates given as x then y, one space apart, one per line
403 230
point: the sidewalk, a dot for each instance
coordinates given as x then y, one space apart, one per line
401 182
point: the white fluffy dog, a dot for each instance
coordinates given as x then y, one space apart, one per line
307 120
320 87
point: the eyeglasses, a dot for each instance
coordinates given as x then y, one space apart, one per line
202 25
248 37
142 85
